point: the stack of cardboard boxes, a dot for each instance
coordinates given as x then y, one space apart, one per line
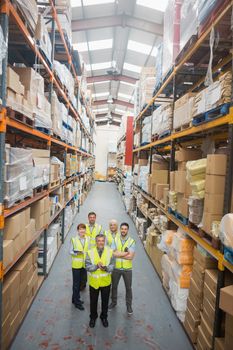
19 287
40 211
15 93
195 302
155 254
214 190
18 231
55 173
71 164
158 180
183 110
41 167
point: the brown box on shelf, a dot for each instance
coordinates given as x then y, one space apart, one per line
208 312
22 268
34 252
206 262
214 203
183 207
207 221
27 213
216 164
8 253
165 195
182 166
194 310
13 278
54 172
195 294
209 295
46 218
226 299
219 344
13 225
31 80
30 230
142 162
15 324
184 155
211 278
156 256
202 341
207 330
183 100
6 324
159 166
228 332
13 81
159 191
215 184
192 332
193 321
160 176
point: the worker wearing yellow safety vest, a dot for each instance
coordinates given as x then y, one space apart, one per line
78 248
124 253
100 264
112 233
92 228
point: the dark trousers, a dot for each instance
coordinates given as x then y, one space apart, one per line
78 276
127 277
94 296
83 280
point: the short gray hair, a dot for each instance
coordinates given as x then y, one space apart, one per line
100 235
113 221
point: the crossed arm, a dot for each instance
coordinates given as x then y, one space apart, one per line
124 255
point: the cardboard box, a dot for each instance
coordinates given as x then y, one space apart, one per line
180 180
215 184
8 252
37 208
202 340
208 331
13 81
165 195
214 203
159 176
211 279
219 344
192 332
31 80
209 295
46 217
195 312
159 166
228 332
19 242
6 324
172 181
22 268
194 322
55 172
207 262
182 166
34 252
159 191
216 164
13 226
156 256
27 213
226 299
185 154
195 294
183 100
208 313
14 280
15 324
143 162
30 230
207 221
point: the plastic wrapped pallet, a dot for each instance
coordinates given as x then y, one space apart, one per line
196 207
42 37
3 49
65 77
179 298
214 95
147 85
166 240
143 178
226 229
18 179
183 111
41 167
162 119
56 111
146 130
171 34
30 12
205 8
188 21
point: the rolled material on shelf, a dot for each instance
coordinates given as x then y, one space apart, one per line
226 229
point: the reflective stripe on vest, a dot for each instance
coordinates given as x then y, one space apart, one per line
123 263
92 234
100 278
109 237
79 259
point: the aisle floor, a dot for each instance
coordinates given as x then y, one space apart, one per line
53 323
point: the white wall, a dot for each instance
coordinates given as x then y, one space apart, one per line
104 135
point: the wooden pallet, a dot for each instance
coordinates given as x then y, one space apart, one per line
183 127
24 198
40 189
54 184
214 242
20 117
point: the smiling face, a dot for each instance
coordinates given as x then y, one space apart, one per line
100 242
82 232
124 230
92 219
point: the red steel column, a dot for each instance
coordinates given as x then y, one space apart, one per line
129 142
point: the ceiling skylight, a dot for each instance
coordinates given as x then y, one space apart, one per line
100 94
153 4
78 3
93 45
101 65
118 110
126 83
126 96
132 67
100 110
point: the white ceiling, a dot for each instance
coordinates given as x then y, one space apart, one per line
119 52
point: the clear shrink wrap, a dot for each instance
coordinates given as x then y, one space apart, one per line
146 130
29 10
65 77
18 179
188 21
166 240
3 49
42 37
56 112
226 231
162 119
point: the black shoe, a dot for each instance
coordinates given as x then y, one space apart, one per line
79 302
111 306
105 322
79 306
82 288
92 323
129 310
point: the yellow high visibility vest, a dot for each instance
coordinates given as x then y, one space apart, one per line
92 234
120 262
100 278
78 261
109 237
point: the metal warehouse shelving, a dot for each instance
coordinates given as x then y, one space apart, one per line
9 15
218 129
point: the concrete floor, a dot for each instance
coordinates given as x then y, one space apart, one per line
53 323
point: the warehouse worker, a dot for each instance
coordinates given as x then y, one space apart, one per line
100 264
124 253
79 246
112 233
92 228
